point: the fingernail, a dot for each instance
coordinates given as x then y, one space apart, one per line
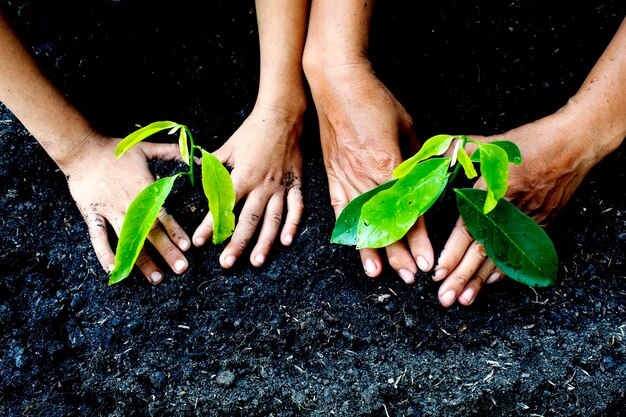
260 258
156 277
288 239
440 274
110 268
422 263
179 265
448 298
407 276
370 266
184 244
468 295
229 261
495 276
199 241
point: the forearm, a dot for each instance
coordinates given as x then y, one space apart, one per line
282 30
42 109
600 102
338 33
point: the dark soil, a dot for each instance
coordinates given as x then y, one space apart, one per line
309 333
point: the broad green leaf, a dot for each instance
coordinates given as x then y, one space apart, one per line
345 230
389 215
183 145
494 168
141 215
434 146
218 188
466 163
513 241
512 151
140 134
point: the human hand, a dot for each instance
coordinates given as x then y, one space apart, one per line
103 187
361 124
267 169
553 165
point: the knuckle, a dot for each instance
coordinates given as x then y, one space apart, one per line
478 251
169 251
465 233
155 228
251 220
240 243
460 278
142 261
338 202
275 218
395 261
266 242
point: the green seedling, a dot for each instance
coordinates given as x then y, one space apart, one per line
513 241
144 209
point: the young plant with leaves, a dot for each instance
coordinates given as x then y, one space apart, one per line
514 241
144 209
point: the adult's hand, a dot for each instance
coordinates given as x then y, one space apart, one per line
361 126
103 187
266 170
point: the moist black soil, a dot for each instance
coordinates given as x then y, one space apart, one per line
308 334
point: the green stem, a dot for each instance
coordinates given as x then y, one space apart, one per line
191 154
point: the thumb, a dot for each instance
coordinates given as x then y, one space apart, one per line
223 154
163 151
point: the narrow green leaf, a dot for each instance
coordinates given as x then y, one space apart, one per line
389 215
512 151
218 188
494 168
141 215
513 241
345 230
140 134
434 146
183 145
466 163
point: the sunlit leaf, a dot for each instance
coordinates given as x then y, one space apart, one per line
218 188
345 231
141 215
434 146
183 146
512 151
513 241
494 168
389 215
466 163
140 134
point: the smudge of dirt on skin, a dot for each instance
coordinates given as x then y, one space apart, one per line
288 179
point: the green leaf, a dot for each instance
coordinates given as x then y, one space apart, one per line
140 134
345 230
466 163
513 241
218 188
389 215
183 145
512 151
494 168
141 215
434 146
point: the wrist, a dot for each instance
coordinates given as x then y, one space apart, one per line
88 144
290 105
598 130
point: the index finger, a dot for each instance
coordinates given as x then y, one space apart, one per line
459 241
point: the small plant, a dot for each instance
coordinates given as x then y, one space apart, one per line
144 209
513 241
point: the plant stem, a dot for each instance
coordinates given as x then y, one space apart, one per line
191 155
